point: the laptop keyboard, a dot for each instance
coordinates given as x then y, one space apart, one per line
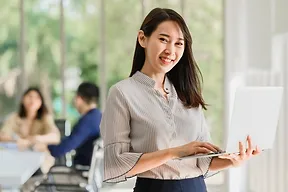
218 152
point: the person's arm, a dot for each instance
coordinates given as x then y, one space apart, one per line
52 134
6 132
152 160
218 164
49 138
79 135
115 131
6 138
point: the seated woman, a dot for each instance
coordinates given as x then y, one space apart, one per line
32 127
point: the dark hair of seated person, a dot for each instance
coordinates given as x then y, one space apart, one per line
89 92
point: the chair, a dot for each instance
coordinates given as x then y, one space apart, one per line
65 130
92 177
63 126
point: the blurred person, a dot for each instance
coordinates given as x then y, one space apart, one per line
32 127
86 130
155 116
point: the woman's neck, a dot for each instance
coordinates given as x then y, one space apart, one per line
157 77
31 115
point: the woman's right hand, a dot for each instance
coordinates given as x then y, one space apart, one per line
23 144
195 147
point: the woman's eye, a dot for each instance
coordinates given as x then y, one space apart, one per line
179 44
163 40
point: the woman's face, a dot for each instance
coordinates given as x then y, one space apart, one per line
32 101
164 48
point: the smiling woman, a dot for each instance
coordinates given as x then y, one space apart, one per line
155 116
167 44
164 37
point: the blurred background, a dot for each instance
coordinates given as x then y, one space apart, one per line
56 44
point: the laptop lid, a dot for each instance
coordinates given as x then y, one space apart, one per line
256 113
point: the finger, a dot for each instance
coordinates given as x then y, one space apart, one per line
210 146
249 149
203 144
202 150
215 147
224 156
228 156
241 149
257 151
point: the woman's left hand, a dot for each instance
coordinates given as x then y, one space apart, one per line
35 139
244 154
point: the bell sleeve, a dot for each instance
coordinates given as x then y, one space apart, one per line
204 163
115 130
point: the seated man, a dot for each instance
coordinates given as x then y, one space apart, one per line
86 130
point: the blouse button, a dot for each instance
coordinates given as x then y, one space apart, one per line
173 135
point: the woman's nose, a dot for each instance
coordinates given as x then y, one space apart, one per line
169 51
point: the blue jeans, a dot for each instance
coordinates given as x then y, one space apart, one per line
196 184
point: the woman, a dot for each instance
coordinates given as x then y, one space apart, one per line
32 127
155 117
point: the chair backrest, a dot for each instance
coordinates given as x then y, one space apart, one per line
65 130
63 126
95 174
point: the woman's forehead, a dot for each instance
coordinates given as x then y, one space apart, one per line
169 28
33 93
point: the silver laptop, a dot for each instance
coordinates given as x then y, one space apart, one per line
255 113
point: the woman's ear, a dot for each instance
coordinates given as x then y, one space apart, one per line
142 39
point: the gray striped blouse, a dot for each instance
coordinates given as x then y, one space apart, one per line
139 119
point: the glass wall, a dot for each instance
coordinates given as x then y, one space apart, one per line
42 62
10 68
63 47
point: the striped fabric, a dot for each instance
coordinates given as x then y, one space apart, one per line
138 119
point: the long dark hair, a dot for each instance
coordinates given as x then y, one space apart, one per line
185 75
41 111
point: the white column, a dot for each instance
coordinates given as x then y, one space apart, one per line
248 26
102 64
63 58
22 48
235 51
249 29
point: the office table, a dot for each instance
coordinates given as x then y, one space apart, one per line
17 167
